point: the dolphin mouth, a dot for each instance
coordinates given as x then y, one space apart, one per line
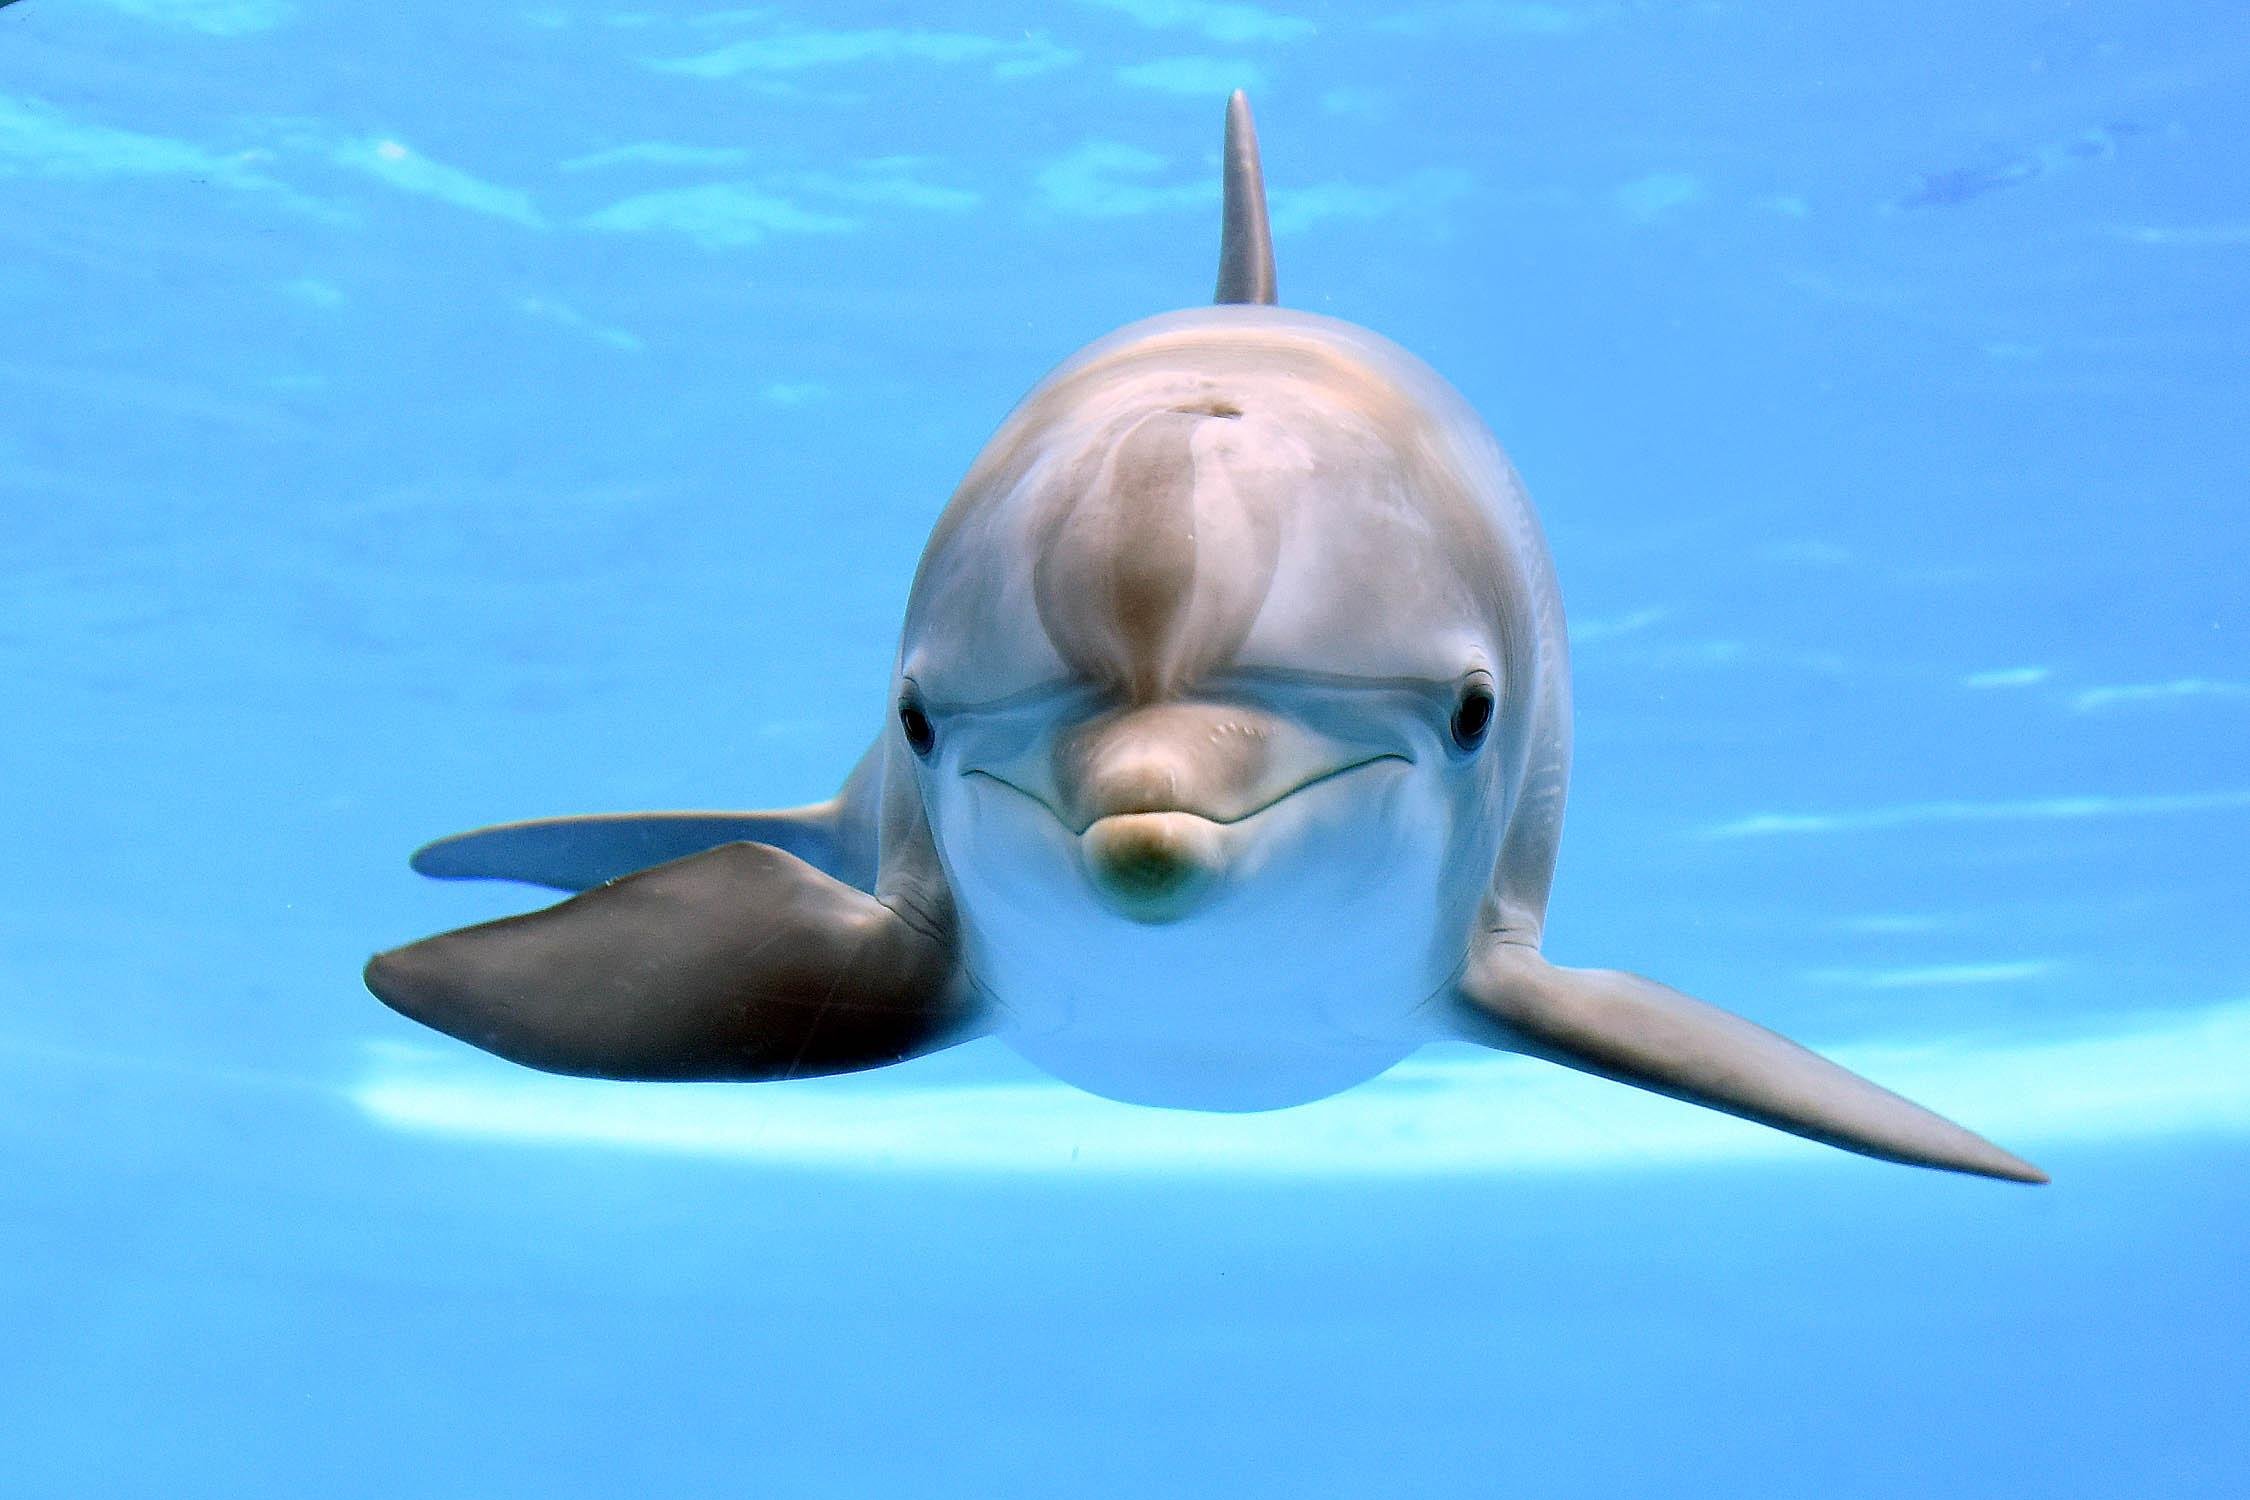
1320 779
1080 829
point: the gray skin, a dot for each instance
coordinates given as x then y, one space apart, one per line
1230 740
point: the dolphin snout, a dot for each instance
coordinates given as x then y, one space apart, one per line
1207 759
1153 866
1161 796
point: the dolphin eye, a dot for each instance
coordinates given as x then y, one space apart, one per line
1472 714
914 723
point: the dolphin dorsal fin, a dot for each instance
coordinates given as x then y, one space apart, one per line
1245 240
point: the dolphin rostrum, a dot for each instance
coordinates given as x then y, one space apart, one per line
1224 767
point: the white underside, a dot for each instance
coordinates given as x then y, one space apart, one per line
1304 974
1177 1073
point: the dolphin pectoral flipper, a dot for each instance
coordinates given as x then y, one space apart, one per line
1633 1030
742 962
579 853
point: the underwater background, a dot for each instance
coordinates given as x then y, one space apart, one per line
416 416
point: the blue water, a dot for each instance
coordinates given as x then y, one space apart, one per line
414 416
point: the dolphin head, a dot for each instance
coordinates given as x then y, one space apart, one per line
1215 641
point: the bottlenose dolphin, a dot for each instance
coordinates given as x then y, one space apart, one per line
1224 767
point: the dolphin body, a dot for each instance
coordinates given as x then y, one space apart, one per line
1229 738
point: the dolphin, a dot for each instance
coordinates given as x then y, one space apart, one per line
1224 767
